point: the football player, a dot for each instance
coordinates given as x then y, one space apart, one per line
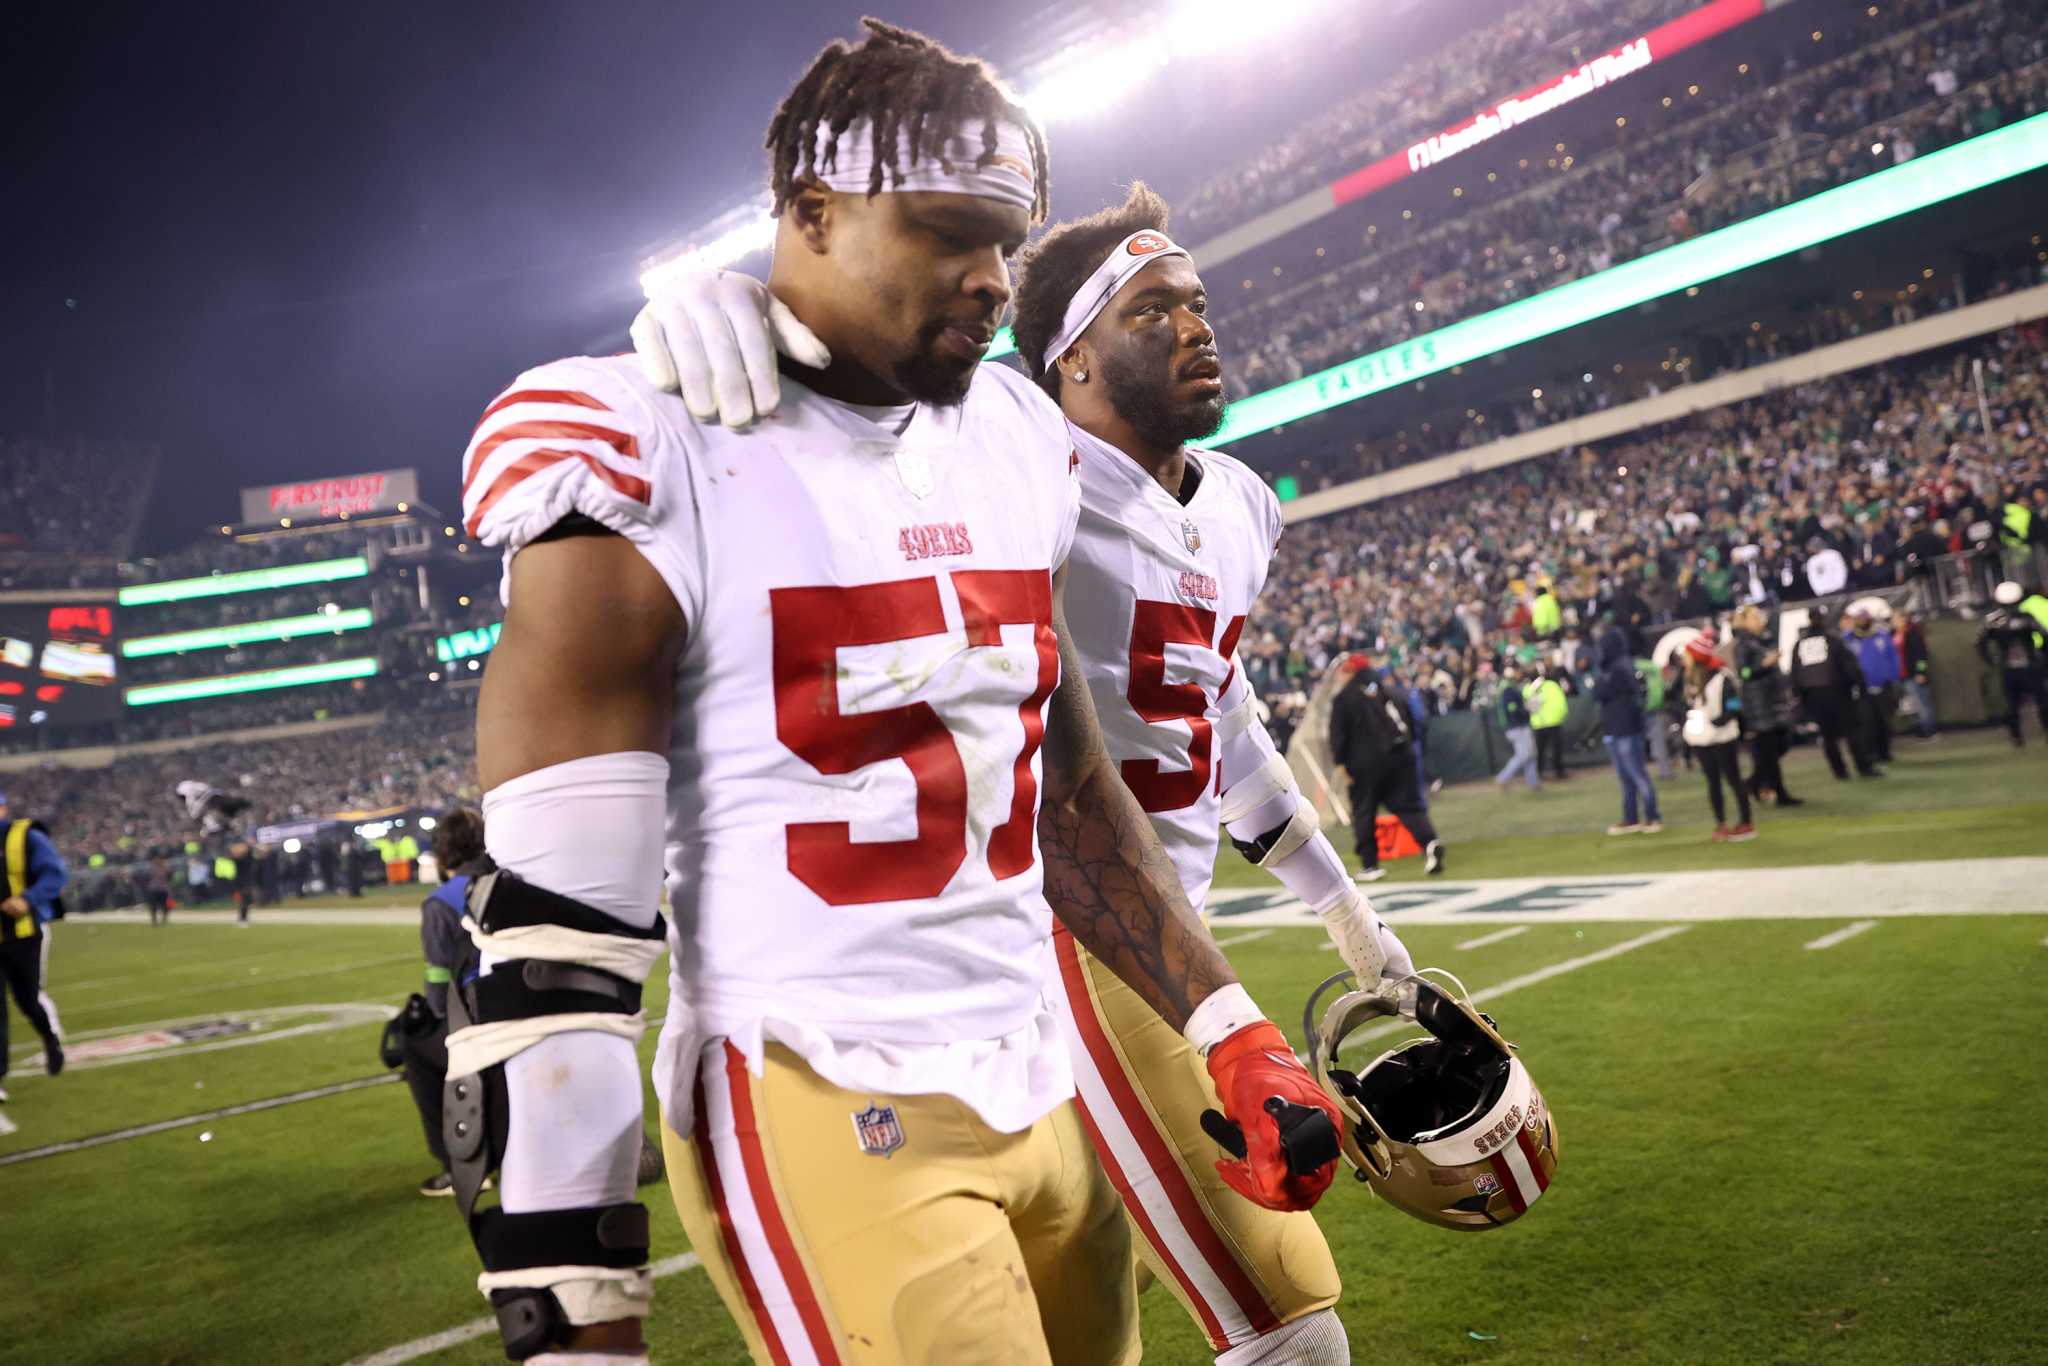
1172 549
823 681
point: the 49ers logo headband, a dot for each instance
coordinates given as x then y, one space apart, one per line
1132 255
850 165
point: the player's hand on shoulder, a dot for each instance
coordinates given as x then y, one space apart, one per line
712 335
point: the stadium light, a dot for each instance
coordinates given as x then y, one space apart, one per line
247 633
302 676
1888 194
246 581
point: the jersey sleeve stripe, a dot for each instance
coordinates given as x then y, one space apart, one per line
533 462
518 396
543 430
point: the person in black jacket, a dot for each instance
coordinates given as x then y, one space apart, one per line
1371 738
1765 708
2010 642
1830 686
1620 695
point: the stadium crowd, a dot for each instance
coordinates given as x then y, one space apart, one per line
1963 74
70 496
1859 481
1475 69
423 758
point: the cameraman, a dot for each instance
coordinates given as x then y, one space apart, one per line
422 1028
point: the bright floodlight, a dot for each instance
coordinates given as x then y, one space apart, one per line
755 232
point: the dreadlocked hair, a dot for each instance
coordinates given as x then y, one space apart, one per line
1052 268
897 80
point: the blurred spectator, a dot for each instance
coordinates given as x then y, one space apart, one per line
1713 728
1622 728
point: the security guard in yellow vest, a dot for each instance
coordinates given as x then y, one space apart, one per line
32 881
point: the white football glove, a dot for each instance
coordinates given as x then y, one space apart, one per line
712 335
1368 947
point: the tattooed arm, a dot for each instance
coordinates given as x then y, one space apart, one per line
1107 878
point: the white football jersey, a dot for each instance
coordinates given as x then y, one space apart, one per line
1157 595
853 795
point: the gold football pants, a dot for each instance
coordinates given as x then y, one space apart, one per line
1239 1270
845 1227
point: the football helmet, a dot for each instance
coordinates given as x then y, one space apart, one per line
1448 1126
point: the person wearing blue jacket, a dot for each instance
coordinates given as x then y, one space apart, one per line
1622 723
32 882
1878 655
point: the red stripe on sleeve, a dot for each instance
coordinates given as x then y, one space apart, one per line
1159 1155
546 430
768 1208
568 396
533 462
715 1187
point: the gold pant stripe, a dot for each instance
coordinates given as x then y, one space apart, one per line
1239 1270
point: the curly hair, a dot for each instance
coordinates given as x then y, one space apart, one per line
1050 269
897 80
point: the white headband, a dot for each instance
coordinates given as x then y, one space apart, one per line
1007 177
1132 255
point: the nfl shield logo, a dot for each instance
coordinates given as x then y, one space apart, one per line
1190 534
1485 1183
878 1130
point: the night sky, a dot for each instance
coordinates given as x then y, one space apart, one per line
285 240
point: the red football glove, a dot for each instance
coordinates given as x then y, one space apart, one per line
1253 1069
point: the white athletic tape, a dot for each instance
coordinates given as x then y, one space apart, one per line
479 1046
589 1294
618 954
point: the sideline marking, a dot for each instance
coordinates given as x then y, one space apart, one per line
1829 892
1244 938
186 1121
1527 979
342 1015
1483 940
476 1328
1847 932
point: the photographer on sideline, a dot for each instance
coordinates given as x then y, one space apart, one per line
422 1027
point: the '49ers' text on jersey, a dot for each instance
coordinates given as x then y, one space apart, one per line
1157 594
851 846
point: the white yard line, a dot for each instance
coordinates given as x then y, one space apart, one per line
1247 937
206 1117
477 1328
1847 932
1527 979
1483 940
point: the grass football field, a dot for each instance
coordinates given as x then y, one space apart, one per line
1800 1086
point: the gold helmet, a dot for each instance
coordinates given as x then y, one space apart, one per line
1447 1126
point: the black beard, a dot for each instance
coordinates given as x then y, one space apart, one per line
1147 406
927 379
